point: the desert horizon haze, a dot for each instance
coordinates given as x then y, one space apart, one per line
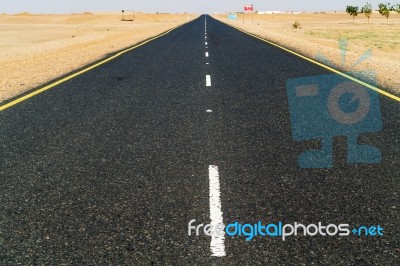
48 6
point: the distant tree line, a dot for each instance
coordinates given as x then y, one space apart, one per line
383 8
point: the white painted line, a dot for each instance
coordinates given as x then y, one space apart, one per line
209 111
207 63
208 81
206 43
207 54
217 244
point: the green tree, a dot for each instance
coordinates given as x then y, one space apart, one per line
397 8
384 10
352 11
367 10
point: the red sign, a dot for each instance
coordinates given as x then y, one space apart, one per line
249 8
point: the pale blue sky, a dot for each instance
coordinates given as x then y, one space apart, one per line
172 6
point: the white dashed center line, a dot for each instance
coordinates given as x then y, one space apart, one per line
208 80
217 244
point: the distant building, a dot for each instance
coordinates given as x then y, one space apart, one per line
278 12
273 12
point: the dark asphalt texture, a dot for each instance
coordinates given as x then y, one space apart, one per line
109 167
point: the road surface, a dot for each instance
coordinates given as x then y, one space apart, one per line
110 166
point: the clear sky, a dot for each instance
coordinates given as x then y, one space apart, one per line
173 6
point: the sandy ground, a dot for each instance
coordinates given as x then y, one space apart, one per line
35 49
320 34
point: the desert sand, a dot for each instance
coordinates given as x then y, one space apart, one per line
35 49
320 34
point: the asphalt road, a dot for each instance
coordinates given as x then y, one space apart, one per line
110 167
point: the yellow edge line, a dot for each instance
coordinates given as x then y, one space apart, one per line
36 92
394 97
